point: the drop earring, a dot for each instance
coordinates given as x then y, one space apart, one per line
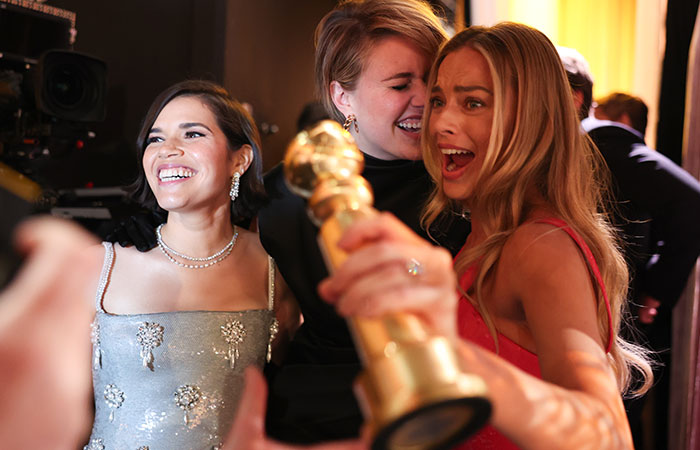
235 184
350 121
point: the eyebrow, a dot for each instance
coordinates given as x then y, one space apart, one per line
460 89
183 126
399 75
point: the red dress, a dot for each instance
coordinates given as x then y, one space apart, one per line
471 326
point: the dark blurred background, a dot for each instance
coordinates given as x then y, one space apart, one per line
129 51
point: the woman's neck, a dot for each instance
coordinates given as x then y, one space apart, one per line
197 236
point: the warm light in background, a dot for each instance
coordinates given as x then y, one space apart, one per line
623 40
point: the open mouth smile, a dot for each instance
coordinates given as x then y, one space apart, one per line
456 159
174 173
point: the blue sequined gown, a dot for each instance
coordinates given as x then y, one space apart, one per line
171 380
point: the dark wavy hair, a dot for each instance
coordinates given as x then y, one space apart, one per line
236 124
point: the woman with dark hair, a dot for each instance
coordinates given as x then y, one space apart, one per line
176 325
371 63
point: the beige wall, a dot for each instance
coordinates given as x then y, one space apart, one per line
623 40
269 62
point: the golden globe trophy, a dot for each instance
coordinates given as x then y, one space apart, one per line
413 392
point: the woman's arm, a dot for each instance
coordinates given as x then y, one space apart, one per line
577 405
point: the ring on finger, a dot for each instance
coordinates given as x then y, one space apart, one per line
414 267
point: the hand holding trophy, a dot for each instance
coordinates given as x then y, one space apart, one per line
413 392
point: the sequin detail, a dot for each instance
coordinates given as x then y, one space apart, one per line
114 397
143 447
186 397
96 349
95 444
150 336
274 329
233 333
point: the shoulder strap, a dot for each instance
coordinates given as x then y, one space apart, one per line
593 266
270 283
107 265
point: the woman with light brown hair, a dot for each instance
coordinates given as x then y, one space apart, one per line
372 61
542 283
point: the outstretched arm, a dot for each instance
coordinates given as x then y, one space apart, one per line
45 339
578 403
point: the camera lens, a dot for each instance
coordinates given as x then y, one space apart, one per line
66 86
71 86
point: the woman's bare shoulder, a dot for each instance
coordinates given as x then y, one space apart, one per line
535 249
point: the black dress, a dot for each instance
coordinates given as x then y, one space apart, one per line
311 397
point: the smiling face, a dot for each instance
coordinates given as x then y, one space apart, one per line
462 106
388 100
186 160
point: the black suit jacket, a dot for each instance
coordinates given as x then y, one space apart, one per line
659 210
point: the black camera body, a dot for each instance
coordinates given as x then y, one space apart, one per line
49 94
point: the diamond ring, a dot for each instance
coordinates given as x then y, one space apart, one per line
414 267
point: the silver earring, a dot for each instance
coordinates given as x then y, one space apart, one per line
349 121
235 184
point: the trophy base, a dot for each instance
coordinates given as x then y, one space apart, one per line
438 426
417 397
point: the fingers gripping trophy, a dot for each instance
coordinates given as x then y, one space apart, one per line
413 392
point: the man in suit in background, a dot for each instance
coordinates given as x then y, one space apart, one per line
658 214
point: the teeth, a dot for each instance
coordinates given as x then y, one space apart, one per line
412 126
175 174
454 151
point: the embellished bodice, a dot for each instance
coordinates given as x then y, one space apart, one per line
172 379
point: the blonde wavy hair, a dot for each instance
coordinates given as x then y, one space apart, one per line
345 36
543 149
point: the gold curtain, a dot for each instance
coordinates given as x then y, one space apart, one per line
623 40
604 32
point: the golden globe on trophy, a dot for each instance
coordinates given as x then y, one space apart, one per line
413 392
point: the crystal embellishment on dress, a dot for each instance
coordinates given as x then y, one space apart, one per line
233 332
95 444
143 447
96 349
149 336
114 397
274 329
186 397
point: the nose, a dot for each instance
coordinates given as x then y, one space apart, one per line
442 121
169 148
419 94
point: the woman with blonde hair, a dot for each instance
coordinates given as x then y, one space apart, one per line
542 283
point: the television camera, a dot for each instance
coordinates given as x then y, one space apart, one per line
49 94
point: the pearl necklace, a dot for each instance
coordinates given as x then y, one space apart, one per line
209 260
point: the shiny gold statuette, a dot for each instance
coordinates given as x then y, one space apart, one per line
413 392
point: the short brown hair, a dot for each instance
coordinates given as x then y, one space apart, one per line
345 36
618 103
